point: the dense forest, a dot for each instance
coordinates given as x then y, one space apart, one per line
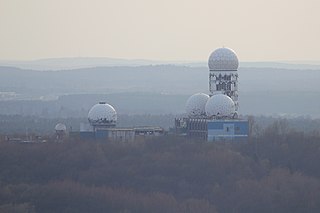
277 170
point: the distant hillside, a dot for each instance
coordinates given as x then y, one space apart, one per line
89 62
76 63
152 89
160 79
165 79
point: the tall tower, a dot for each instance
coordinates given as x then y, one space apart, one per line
223 77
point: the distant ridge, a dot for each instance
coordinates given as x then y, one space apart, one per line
90 62
158 89
74 63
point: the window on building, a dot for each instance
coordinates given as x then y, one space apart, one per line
229 87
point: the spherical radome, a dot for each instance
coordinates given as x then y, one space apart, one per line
102 113
223 59
60 127
195 106
220 106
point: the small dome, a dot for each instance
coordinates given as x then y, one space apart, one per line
220 106
60 127
102 114
195 106
223 59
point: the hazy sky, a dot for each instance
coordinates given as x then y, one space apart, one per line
258 30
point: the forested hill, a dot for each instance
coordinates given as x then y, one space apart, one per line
275 172
261 90
162 78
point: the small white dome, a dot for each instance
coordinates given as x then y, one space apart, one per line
223 59
220 106
103 114
60 127
195 106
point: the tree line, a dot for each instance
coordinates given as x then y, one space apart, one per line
275 171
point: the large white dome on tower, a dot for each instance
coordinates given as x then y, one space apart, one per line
220 106
195 106
223 59
102 114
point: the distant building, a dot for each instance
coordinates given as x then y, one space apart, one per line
210 117
102 116
122 134
102 119
61 131
214 117
116 134
213 130
228 130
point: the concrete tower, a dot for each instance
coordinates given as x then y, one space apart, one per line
223 77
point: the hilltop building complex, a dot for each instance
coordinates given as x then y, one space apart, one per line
214 117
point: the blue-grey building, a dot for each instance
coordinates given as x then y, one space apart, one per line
227 130
213 129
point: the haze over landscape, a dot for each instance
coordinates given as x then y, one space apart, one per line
107 47
265 88
105 106
165 30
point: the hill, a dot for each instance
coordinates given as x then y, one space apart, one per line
153 89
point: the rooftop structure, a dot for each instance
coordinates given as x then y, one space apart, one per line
102 115
60 127
61 131
103 118
220 106
195 106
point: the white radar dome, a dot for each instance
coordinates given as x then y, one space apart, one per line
195 106
102 113
223 59
220 106
60 127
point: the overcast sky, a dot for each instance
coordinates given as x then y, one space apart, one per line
258 30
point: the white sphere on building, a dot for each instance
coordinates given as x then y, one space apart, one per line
102 114
223 59
61 127
195 106
220 106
